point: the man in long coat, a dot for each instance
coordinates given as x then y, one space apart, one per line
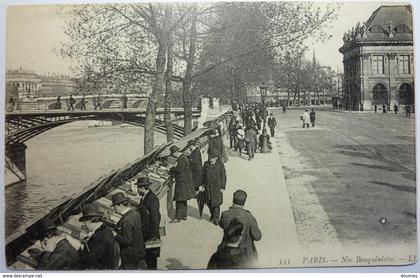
214 183
129 233
150 215
251 231
196 163
101 251
251 141
271 121
184 186
215 143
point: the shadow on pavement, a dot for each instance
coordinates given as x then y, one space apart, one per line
175 264
193 212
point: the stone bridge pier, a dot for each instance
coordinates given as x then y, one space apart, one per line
15 155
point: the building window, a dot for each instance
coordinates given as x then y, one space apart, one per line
402 29
404 63
378 64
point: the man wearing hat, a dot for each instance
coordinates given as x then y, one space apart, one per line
215 143
129 233
196 163
150 216
57 252
214 183
250 232
101 251
184 186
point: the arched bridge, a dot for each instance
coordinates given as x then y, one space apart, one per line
22 126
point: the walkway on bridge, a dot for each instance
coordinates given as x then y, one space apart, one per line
189 244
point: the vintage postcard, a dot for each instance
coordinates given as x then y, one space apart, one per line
209 135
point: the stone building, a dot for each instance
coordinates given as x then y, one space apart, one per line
379 60
26 84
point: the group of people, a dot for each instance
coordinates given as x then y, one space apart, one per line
206 183
97 102
105 248
407 109
308 118
255 119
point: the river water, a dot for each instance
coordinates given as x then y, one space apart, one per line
63 160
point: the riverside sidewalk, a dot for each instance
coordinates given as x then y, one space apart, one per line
189 244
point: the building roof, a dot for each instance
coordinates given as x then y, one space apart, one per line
397 18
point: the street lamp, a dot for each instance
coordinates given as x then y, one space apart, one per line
263 91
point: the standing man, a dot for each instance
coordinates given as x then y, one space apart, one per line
250 231
129 233
83 103
215 143
184 186
251 141
305 118
125 101
232 131
312 117
72 101
101 250
196 163
395 108
98 102
150 215
214 184
383 109
57 253
407 110
284 108
272 123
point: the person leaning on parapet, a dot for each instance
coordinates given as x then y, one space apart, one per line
312 117
213 184
251 231
184 186
129 233
150 216
57 253
100 251
305 118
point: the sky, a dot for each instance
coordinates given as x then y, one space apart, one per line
33 32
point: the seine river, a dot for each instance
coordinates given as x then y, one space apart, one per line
63 160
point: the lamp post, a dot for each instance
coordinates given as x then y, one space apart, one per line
263 92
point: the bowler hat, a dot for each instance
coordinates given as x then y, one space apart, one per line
173 149
45 224
90 211
213 153
143 181
118 198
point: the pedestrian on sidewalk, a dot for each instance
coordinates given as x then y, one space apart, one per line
124 101
407 110
184 186
241 140
376 108
284 108
305 118
258 119
383 109
150 216
196 163
129 234
395 108
215 143
98 102
213 185
101 251
312 117
272 123
264 142
250 232
250 141
232 131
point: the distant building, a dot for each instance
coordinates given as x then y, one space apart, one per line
379 60
25 84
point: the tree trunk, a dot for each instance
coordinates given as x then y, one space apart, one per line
187 82
155 96
168 88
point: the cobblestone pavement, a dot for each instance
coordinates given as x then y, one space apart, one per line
351 179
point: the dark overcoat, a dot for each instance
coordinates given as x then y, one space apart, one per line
64 257
150 216
214 179
271 122
196 164
184 187
251 232
215 143
101 252
130 237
